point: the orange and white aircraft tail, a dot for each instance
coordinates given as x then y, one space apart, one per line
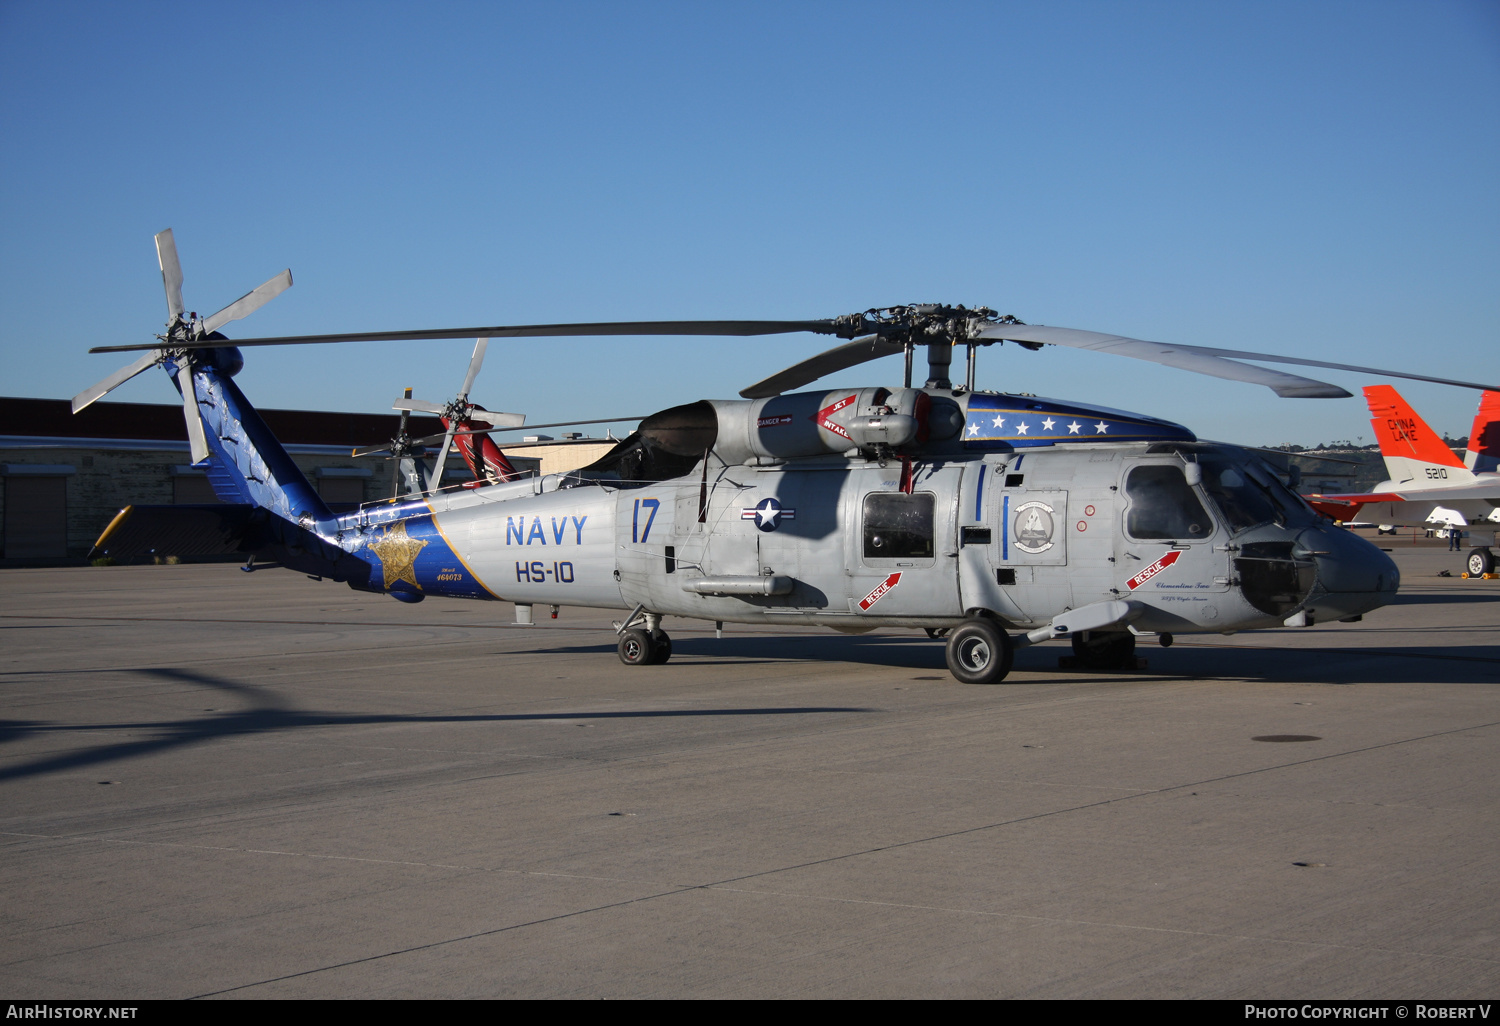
1483 456
1414 453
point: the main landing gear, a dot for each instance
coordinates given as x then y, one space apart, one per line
1481 562
980 652
644 648
642 641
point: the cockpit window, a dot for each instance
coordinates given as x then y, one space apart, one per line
1241 492
1163 505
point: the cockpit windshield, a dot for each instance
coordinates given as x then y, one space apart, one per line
1246 490
1242 499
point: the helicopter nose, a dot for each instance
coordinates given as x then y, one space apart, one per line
1353 578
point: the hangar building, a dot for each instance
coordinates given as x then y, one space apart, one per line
64 477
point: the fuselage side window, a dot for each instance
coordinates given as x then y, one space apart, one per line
1164 506
897 525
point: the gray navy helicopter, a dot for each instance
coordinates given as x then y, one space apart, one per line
995 519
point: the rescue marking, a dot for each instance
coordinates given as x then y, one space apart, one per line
880 590
1154 569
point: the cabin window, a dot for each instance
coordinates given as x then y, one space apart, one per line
1164 506
898 526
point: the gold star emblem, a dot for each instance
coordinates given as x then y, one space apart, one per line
398 555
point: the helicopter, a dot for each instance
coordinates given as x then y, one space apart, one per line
994 520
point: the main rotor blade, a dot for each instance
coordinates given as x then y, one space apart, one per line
537 427
171 273
1220 363
474 364
603 328
90 395
529 427
249 302
1288 386
851 354
196 440
1238 355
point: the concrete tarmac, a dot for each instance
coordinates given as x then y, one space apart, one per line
253 785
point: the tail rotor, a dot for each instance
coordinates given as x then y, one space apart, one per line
182 330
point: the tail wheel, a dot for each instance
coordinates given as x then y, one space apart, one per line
1481 562
636 648
662 647
980 652
1104 650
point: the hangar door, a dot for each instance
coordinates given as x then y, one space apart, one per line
36 517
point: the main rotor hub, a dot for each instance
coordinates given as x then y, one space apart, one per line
934 325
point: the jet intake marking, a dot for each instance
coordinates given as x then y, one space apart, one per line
1154 569
768 514
517 533
879 593
825 417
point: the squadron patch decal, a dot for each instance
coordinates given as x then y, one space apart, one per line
1034 527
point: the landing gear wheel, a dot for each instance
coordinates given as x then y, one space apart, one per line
980 652
1481 562
637 648
1104 650
662 645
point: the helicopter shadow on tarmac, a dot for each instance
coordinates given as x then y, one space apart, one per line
1397 664
267 713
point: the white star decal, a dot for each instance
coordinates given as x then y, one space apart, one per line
1047 424
1021 428
999 421
1101 427
1073 427
973 430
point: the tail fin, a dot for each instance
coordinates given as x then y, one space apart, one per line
1413 451
246 464
1484 438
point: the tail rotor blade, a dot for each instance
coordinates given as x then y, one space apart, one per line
171 273
442 459
474 365
249 302
91 395
196 439
502 420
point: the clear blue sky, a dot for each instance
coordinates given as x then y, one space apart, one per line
1309 178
